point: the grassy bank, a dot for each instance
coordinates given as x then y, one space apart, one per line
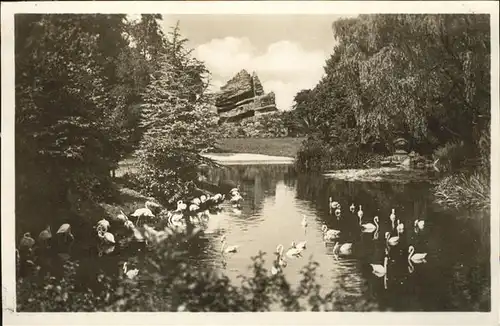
267 146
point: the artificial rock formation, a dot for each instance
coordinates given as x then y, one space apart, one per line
243 97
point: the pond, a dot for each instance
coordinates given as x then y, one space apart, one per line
455 276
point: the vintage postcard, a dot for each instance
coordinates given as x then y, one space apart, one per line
180 162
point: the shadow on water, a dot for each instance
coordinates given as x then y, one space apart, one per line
455 276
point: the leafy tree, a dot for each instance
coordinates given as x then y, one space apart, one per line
178 122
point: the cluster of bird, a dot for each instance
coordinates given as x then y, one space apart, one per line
195 211
345 249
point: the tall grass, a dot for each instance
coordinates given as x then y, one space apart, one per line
464 189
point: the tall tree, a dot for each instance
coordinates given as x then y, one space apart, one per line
178 122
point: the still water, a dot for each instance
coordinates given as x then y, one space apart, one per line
455 276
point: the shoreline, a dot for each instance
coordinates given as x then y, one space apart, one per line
248 159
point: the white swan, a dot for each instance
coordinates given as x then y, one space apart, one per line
416 258
360 213
419 224
400 227
330 234
301 245
342 250
352 208
392 217
293 252
227 249
391 241
130 273
380 270
27 241
333 204
281 259
370 227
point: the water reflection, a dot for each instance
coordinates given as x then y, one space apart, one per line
455 276
276 198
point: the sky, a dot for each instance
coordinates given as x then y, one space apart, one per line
287 52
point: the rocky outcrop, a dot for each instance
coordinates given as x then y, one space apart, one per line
242 97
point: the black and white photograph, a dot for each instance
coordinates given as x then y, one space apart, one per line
165 161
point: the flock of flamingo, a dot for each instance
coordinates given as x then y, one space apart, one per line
197 212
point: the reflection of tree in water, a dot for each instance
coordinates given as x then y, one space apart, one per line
256 181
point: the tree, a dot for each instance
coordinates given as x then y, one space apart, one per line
178 122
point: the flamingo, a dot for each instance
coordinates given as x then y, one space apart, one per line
143 212
103 225
196 201
203 198
27 241
342 250
227 249
392 217
329 235
45 236
352 208
380 270
391 241
419 224
121 217
369 227
416 258
129 224
279 250
301 245
106 237
181 206
130 273
66 230
193 207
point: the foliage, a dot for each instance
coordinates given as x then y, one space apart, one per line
421 77
167 282
451 156
178 123
271 125
283 146
464 189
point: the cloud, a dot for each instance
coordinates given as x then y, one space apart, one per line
284 67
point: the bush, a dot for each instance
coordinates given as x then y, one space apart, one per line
464 189
317 155
451 156
168 282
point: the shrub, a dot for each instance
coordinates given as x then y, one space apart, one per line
464 189
168 282
451 156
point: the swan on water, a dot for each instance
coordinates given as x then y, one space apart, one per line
400 227
344 249
352 208
301 245
392 217
293 252
227 249
380 270
279 250
130 273
416 258
360 213
419 224
391 241
370 227
329 234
